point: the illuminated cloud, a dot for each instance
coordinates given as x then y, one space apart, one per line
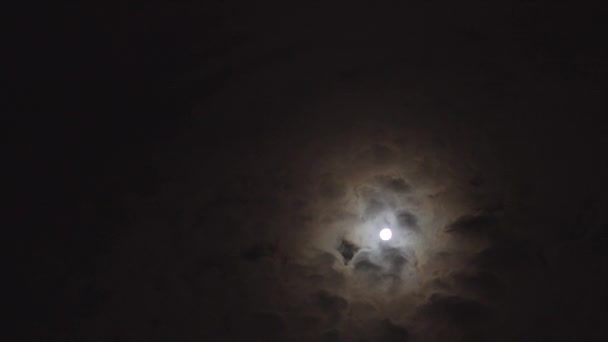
267 224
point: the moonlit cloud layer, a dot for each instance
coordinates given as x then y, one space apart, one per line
277 236
265 224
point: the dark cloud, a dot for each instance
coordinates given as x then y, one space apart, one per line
581 222
366 266
377 154
483 284
259 250
331 303
385 330
331 336
259 218
474 337
396 259
394 184
394 332
264 325
333 307
374 207
382 153
510 256
347 249
449 309
389 263
478 225
332 189
407 221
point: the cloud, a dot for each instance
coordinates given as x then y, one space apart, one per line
347 249
509 256
396 259
454 310
483 284
475 226
259 250
407 221
332 335
290 216
332 189
377 154
267 324
394 184
385 330
331 304
385 264
393 332
374 207
362 263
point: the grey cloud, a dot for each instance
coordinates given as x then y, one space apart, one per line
332 335
306 322
586 217
477 337
407 221
394 184
318 271
266 325
510 256
385 330
331 302
376 154
381 153
347 249
368 267
332 189
378 329
477 225
483 284
454 310
374 207
259 250
324 261
396 259
476 181
441 284
288 179
332 306
387 263
393 332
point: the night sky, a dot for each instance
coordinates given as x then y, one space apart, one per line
221 170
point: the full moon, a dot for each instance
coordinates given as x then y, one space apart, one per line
386 234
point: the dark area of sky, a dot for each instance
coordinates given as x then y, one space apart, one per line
208 170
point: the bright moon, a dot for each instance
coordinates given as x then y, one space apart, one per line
386 234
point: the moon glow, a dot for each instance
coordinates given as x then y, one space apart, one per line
386 234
